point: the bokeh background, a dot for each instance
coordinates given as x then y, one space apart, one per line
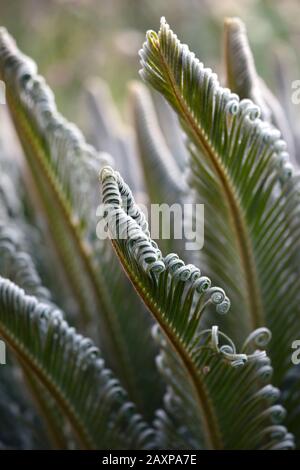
72 40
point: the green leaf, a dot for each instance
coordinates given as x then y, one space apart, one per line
18 267
221 405
109 134
162 174
171 129
65 171
240 170
243 79
290 398
20 427
72 370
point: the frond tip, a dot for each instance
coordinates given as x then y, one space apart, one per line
127 224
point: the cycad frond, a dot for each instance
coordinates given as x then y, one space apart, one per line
46 136
195 361
166 184
110 135
18 266
171 129
162 174
71 368
20 427
240 170
291 400
243 79
65 169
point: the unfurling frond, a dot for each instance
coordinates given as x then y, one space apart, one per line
240 169
195 361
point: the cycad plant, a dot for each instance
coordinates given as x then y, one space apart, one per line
210 367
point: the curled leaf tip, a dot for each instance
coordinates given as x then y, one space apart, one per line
234 23
153 38
106 172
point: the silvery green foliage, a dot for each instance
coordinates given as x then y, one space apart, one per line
202 414
72 384
222 353
108 134
240 169
65 170
242 78
72 370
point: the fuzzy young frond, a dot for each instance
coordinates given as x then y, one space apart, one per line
240 169
195 361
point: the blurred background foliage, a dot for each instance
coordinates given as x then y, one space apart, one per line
72 40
